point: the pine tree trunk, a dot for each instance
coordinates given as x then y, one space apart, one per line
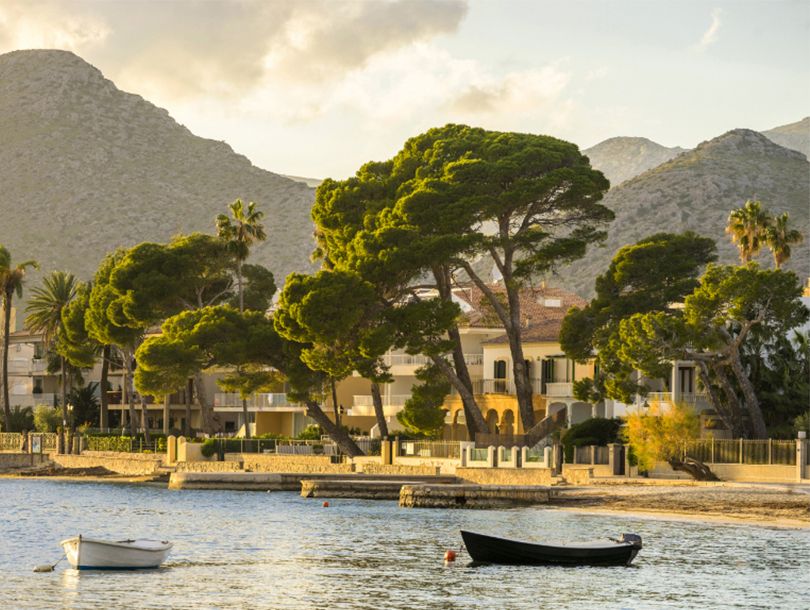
105 399
523 387
335 407
4 380
133 427
205 408
472 413
187 426
339 435
65 418
246 417
379 413
751 402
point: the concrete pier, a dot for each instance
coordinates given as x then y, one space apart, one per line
473 496
291 481
376 488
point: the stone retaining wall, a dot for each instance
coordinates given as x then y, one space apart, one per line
397 469
444 465
123 463
258 462
577 474
13 461
226 466
472 496
505 476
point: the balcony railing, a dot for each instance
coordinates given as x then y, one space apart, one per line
419 360
367 400
31 400
260 401
560 389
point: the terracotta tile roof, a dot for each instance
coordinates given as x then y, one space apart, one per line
542 310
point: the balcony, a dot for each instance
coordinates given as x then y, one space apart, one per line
31 400
363 404
232 401
564 389
404 364
27 366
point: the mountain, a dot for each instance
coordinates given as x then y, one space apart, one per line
85 168
623 158
795 136
313 182
696 191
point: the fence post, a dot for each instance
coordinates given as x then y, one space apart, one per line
491 457
741 450
712 453
770 451
593 455
801 458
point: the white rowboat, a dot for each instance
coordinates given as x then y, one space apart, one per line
89 554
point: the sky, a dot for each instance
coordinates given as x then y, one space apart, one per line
316 88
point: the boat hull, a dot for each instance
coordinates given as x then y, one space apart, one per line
490 549
88 554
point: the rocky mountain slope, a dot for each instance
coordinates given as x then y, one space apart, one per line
795 136
85 167
624 158
696 191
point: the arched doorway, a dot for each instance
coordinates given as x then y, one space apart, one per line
508 423
492 421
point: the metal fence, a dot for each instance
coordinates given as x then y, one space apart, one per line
591 454
742 451
124 444
479 454
434 449
535 454
10 441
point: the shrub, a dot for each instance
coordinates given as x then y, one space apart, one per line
46 419
209 447
312 432
595 431
659 435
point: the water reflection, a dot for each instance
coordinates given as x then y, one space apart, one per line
252 550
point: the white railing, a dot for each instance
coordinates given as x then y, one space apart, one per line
256 401
31 400
563 389
405 359
659 397
420 360
367 400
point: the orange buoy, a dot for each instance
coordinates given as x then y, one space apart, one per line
449 555
326 504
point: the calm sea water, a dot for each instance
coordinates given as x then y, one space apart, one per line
278 550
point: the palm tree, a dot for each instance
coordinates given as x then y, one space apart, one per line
239 234
748 226
45 316
779 238
11 282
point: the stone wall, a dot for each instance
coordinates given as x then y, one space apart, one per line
226 466
132 464
750 473
505 476
444 465
578 474
399 469
258 462
472 496
12 461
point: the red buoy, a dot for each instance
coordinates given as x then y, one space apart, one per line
326 504
450 555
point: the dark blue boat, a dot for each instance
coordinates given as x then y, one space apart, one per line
489 549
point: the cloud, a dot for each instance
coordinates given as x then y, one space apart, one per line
188 48
29 25
710 35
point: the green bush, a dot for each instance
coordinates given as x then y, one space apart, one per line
595 431
209 447
312 432
46 419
